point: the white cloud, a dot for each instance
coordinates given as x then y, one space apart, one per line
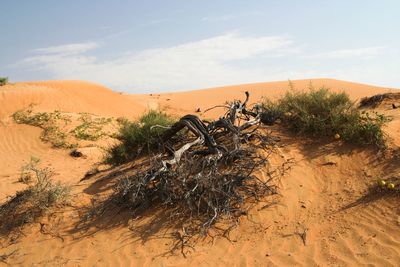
204 63
365 52
67 49
222 60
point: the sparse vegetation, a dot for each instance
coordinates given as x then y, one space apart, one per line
3 81
39 119
138 136
48 122
57 126
90 128
26 176
322 113
28 205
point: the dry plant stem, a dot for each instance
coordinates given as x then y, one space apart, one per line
204 180
178 154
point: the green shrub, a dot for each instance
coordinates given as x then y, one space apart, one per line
272 111
33 202
138 136
3 81
365 129
321 113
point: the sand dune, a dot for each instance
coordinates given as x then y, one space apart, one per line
188 102
71 96
20 142
343 229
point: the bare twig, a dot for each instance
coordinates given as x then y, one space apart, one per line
202 181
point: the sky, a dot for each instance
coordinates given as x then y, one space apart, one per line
158 46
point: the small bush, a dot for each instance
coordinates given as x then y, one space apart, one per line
27 205
138 136
3 81
26 176
321 113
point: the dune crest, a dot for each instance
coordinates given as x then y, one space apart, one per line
189 101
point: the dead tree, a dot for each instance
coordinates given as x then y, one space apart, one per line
206 176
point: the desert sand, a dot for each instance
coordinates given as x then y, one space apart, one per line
322 192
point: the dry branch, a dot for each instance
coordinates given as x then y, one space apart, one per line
206 176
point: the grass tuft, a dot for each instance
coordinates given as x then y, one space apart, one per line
137 137
323 113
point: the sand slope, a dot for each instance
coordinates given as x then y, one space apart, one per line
19 142
71 96
323 192
188 102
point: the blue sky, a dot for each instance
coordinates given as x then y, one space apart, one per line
150 46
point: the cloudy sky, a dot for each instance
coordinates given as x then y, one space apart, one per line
149 46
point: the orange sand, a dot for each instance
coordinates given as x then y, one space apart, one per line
321 192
